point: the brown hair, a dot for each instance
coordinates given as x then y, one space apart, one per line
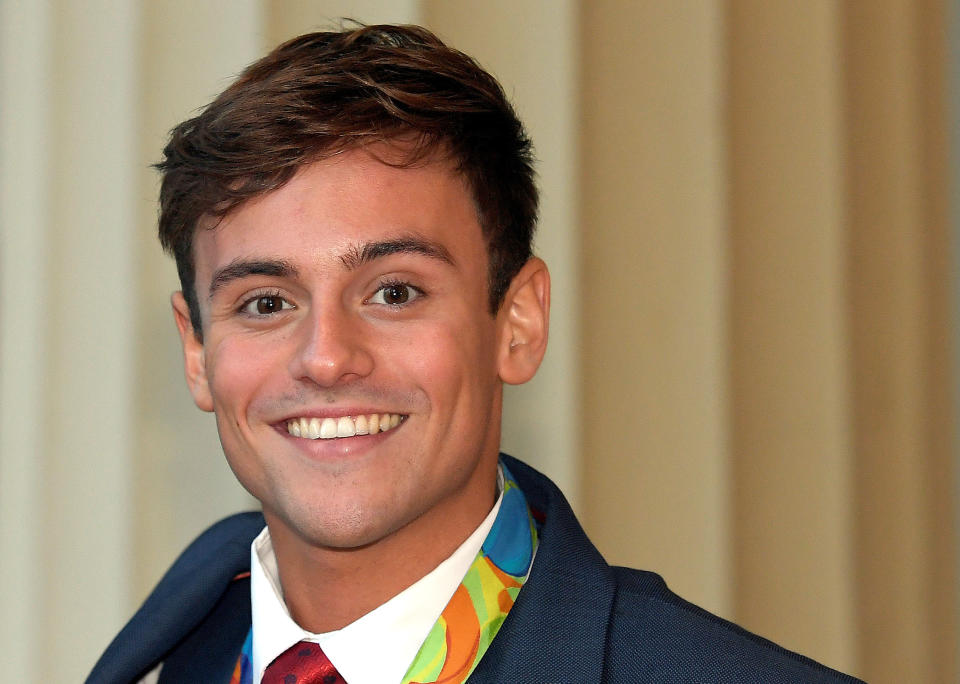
322 93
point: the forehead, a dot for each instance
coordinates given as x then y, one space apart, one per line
333 207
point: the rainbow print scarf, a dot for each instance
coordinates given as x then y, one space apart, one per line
472 618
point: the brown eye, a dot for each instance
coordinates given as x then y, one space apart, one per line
395 294
264 305
269 305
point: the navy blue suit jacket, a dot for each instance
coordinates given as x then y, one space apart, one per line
577 620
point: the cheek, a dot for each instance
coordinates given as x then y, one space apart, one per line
240 367
456 367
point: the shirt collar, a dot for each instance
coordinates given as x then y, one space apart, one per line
398 627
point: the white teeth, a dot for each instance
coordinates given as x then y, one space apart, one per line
344 426
328 429
360 425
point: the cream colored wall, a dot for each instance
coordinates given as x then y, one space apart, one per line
24 163
187 52
653 292
900 339
790 405
68 207
711 401
764 228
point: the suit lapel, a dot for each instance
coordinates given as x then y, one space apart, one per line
209 653
557 630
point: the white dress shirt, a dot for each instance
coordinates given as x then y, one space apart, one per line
377 648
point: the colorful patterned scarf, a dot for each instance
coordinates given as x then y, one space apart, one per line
466 627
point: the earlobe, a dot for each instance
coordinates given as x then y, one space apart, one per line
525 319
194 361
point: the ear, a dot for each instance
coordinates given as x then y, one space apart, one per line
524 323
194 362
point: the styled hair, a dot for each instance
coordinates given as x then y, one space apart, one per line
322 93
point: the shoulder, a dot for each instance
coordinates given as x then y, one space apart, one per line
643 631
225 542
653 632
183 598
208 564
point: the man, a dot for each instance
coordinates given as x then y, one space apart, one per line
352 222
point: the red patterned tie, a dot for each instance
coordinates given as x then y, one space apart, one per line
303 663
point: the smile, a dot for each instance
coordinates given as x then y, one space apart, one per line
344 426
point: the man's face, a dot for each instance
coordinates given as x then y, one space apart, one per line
355 295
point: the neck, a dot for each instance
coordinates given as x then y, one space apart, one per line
326 589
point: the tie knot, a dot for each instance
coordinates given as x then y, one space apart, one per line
303 663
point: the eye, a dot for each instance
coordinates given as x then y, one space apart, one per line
264 305
395 294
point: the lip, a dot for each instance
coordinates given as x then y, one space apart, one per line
339 447
335 412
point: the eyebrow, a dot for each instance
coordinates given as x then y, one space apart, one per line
356 257
352 259
241 268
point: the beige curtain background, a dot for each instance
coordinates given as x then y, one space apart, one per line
750 385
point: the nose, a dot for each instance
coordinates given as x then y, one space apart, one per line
334 349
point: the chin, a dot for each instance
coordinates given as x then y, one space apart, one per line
345 528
